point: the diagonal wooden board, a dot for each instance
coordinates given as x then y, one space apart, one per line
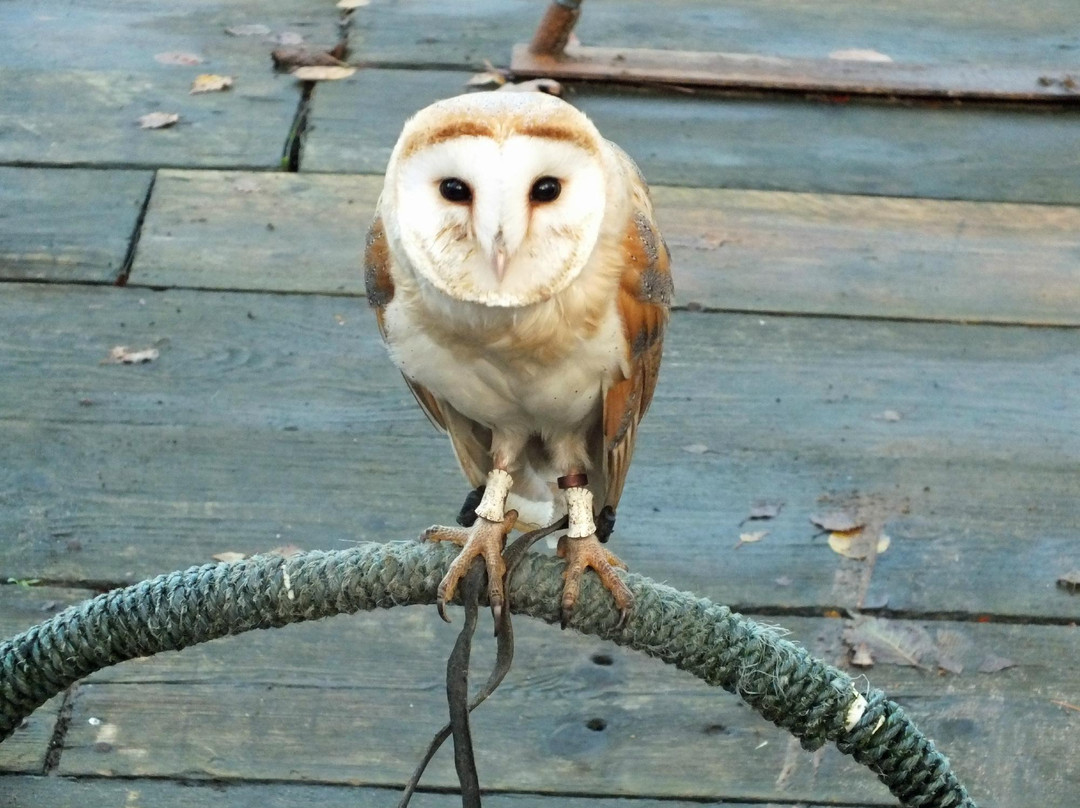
1034 33
732 250
270 419
68 226
860 76
701 140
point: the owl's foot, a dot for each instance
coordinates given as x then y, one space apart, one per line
581 554
485 539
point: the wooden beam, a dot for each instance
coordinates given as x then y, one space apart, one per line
748 71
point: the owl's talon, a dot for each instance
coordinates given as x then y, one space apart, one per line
484 539
582 554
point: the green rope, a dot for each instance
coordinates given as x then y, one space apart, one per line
780 680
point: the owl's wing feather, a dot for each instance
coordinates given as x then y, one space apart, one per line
469 439
644 300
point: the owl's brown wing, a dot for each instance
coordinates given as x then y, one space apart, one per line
469 439
644 299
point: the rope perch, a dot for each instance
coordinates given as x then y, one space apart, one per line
814 701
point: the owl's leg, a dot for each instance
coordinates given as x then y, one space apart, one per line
486 536
582 550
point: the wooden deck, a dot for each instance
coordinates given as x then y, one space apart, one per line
878 312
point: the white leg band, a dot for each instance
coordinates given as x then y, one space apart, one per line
579 504
493 506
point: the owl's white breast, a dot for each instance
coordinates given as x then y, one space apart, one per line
503 387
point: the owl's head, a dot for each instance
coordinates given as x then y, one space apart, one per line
497 198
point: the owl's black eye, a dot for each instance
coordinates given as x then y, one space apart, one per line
545 189
455 190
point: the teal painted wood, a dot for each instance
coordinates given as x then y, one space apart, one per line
97 122
1037 32
271 419
792 145
71 225
366 733
282 232
732 250
60 792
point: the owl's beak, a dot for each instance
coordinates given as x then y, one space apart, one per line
498 256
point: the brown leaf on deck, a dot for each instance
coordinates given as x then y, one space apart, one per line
751 538
210 83
228 556
178 58
323 73
994 663
286 551
763 509
1070 582
248 30
857 545
892 642
123 355
288 58
862 657
158 120
549 86
490 77
837 522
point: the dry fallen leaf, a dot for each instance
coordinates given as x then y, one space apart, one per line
178 58
289 38
1070 582
228 556
859 55
123 355
247 185
750 538
349 5
286 551
549 86
837 522
858 545
158 120
210 83
320 73
490 77
763 509
248 30
862 656
994 663
889 642
288 58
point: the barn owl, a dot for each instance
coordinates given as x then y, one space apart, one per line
522 287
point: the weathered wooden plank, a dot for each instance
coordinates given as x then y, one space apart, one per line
271 232
733 250
215 129
72 225
25 750
86 112
270 419
938 152
22 606
68 792
533 734
1039 32
96 35
742 71
872 256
